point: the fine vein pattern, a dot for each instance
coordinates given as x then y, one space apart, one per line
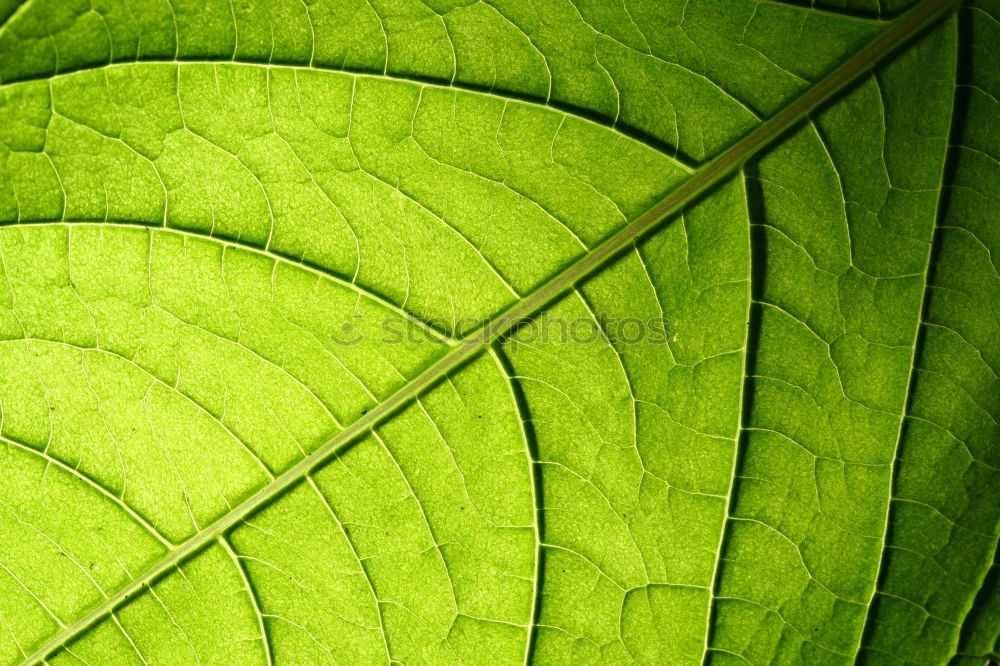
499 331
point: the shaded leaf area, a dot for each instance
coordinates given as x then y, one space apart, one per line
870 9
939 579
844 215
682 75
764 432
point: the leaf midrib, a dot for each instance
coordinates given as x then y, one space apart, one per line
710 174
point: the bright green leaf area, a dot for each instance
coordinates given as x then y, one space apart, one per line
256 406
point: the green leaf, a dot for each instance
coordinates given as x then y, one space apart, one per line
550 331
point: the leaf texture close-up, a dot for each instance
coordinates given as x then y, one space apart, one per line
499 332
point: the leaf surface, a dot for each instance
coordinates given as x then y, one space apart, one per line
504 332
